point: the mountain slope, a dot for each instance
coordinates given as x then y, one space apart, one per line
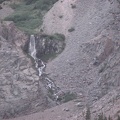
96 33
90 63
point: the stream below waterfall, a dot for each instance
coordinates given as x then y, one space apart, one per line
40 66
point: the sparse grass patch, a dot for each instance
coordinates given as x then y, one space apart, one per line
28 2
69 96
57 43
28 14
59 37
16 18
14 6
50 93
56 36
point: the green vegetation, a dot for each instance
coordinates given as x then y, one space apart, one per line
59 37
56 39
14 6
47 57
69 96
28 14
51 93
55 36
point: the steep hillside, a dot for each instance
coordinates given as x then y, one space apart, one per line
89 66
95 39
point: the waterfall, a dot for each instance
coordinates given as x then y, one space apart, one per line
39 64
40 67
32 47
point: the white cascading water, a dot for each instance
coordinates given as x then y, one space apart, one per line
39 64
40 67
32 48
32 52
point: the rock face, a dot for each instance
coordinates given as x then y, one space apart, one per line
21 91
47 46
11 34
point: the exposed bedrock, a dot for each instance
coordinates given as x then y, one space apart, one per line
47 46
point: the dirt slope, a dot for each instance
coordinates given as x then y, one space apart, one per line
95 39
19 80
90 19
